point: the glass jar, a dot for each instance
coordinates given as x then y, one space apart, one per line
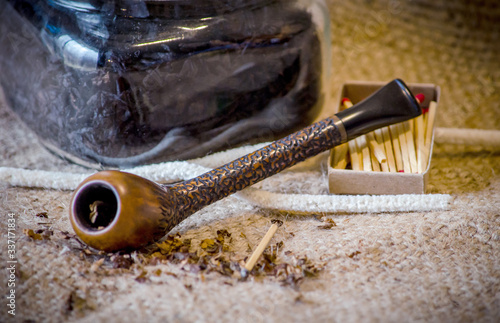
121 83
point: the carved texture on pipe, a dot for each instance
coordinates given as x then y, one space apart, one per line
194 194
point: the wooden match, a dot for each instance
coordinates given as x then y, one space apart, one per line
405 156
366 147
419 132
397 148
431 116
262 245
420 143
389 151
340 156
365 152
347 103
379 137
376 147
410 146
375 163
355 155
355 146
404 146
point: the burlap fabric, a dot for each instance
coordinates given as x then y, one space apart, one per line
434 266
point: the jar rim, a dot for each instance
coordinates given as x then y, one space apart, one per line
171 9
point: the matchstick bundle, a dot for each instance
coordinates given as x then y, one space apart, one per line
403 147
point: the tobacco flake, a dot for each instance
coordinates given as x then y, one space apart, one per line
353 254
208 245
42 215
95 266
174 244
328 224
142 277
215 257
94 213
38 234
120 261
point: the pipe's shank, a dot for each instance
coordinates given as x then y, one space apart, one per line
214 185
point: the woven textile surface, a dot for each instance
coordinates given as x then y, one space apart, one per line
441 266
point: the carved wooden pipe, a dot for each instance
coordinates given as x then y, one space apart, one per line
113 210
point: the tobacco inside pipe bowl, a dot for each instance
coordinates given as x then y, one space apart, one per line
113 210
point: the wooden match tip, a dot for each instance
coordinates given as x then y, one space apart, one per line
420 97
279 223
344 100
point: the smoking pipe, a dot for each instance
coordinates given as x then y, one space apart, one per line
113 210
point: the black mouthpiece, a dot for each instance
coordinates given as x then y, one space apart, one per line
391 104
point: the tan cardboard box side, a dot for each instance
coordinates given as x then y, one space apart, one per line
347 181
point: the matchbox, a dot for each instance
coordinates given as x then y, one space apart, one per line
395 179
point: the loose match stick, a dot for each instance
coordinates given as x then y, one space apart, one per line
263 244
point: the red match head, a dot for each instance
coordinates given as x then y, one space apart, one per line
420 97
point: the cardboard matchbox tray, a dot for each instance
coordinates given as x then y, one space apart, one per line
348 181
